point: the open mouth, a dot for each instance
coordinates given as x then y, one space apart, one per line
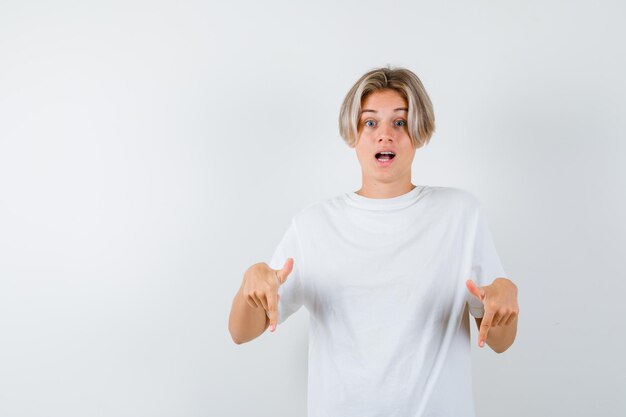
385 156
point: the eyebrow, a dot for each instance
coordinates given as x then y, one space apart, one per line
375 111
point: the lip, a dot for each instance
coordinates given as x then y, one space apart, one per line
385 163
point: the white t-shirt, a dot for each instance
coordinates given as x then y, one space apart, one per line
383 281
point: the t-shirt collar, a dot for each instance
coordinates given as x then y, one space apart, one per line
398 202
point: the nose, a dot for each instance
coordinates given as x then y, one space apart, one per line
385 133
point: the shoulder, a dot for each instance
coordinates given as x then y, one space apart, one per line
316 211
454 197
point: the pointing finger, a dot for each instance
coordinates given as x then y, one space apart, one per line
272 301
485 325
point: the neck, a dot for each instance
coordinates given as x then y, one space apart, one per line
384 190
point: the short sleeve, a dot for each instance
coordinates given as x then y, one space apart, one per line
486 265
291 290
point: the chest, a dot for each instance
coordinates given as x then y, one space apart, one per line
382 270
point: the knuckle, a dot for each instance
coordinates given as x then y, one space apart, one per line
269 294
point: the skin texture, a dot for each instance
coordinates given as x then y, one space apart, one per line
498 326
255 306
382 124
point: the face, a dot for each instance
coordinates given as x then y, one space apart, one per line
383 127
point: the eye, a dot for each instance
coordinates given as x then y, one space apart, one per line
400 123
370 123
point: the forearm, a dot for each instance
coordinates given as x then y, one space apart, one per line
502 337
245 322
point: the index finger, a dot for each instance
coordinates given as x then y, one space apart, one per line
272 306
485 325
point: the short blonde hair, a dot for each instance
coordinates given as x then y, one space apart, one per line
421 119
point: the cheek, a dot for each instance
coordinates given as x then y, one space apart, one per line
364 156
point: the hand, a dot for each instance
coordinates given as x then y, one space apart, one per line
500 302
260 288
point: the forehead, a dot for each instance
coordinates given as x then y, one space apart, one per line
381 99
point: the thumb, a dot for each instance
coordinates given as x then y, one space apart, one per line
282 274
475 290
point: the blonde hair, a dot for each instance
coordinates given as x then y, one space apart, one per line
421 119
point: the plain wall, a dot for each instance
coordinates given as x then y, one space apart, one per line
151 151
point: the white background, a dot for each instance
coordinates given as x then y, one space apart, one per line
151 151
